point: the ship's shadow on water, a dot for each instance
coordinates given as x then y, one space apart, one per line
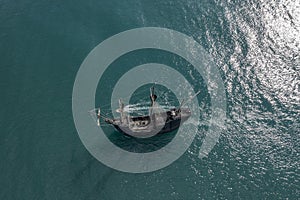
139 145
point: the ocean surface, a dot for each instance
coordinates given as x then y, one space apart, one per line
255 45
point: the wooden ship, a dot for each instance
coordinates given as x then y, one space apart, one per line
157 121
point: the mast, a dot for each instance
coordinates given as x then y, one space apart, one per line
123 118
98 117
153 97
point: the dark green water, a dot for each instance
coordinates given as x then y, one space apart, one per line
256 47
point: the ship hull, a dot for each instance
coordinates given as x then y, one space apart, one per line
172 123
